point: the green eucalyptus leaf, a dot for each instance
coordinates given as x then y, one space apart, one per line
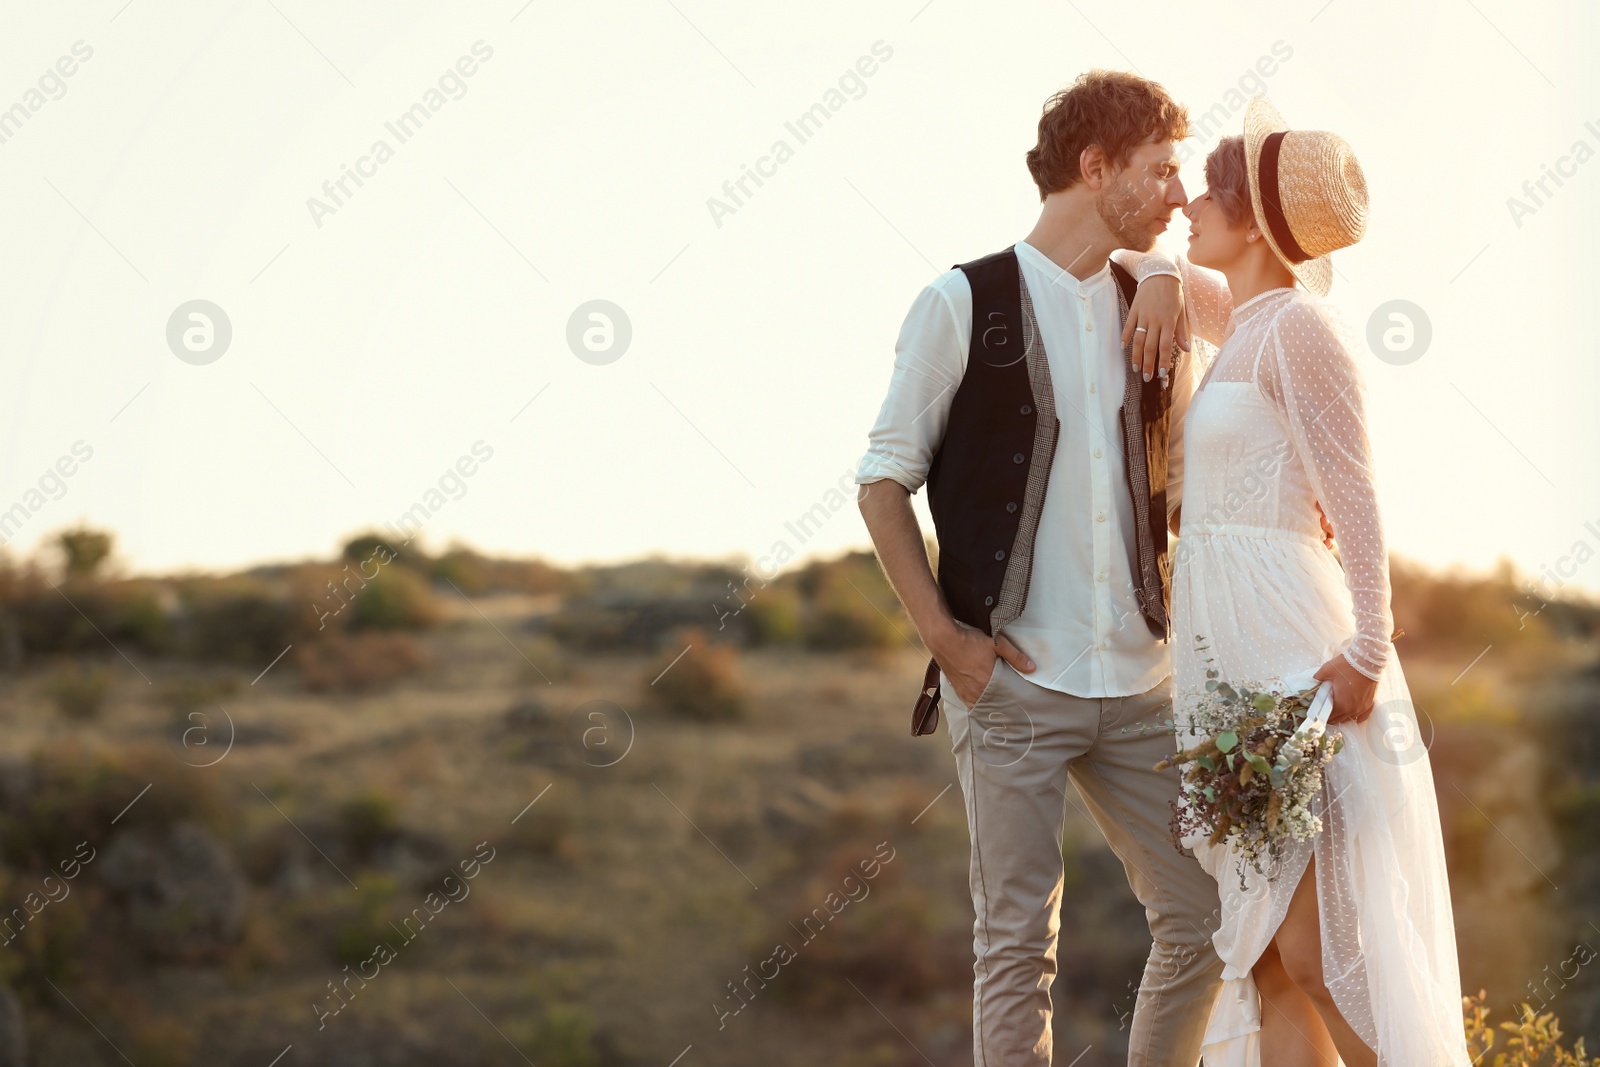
1227 741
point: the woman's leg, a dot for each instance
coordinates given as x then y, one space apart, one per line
1299 944
1292 1034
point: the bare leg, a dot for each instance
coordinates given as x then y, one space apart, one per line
1292 1033
1299 945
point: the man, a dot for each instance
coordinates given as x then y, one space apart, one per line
1044 443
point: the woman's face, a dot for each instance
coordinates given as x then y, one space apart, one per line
1213 241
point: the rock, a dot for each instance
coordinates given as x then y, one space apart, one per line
184 892
413 859
17 781
797 805
13 1031
294 876
529 715
538 735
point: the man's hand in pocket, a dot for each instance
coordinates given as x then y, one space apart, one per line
969 657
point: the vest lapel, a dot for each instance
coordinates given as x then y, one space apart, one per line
1147 578
1046 432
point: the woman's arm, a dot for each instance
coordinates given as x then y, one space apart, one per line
1309 372
1207 301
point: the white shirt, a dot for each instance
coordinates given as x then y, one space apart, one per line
1081 623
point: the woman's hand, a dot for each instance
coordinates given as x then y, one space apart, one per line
1353 692
1155 323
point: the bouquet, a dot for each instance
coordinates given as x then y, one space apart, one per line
1253 781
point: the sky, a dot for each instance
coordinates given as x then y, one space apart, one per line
418 336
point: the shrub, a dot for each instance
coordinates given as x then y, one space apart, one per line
381 550
565 1038
463 569
84 550
367 923
703 683
367 819
397 599
236 620
139 613
74 790
547 830
852 607
189 695
349 663
1535 1039
545 659
776 614
79 691
51 948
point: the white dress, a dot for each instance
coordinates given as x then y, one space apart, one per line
1278 424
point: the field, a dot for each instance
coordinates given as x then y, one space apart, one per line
526 815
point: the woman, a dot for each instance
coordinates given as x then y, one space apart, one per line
1346 948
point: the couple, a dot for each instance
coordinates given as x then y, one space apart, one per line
1049 398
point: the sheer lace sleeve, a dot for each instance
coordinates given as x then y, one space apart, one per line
1308 372
1205 292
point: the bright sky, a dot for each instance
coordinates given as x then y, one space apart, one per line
429 310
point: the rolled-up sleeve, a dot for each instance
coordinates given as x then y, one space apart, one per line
930 359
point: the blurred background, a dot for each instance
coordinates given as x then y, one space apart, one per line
435 621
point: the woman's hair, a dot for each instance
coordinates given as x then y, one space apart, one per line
1110 108
1228 180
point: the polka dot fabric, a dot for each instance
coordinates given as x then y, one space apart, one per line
1279 424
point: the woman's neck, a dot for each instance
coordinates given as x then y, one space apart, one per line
1253 275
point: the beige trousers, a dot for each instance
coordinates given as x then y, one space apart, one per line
1015 748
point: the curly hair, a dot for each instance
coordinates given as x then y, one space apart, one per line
1110 108
1228 180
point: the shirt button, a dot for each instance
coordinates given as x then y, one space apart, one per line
1100 577
1018 458
1097 453
1088 326
988 601
1011 507
1000 554
1100 517
1091 387
1027 409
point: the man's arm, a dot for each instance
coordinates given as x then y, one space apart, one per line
965 654
930 361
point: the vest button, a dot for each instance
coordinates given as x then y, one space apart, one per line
988 601
1027 409
1018 458
1000 554
1011 506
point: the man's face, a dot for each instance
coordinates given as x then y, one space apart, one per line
1138 200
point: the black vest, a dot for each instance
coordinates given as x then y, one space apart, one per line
986 481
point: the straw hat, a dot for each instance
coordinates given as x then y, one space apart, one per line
1308 192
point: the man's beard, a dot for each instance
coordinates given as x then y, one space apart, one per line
1127 215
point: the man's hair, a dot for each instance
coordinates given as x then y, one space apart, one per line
1228 180
1111 108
